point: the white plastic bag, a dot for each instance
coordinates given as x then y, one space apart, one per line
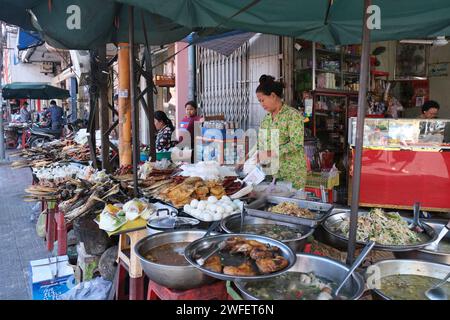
134 208
96 289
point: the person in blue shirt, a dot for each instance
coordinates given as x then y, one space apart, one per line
56 115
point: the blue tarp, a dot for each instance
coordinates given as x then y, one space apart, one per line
29 39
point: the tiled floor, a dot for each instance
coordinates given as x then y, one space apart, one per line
19 242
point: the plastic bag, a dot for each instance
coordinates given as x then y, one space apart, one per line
96 289
35 212
40 224
133 208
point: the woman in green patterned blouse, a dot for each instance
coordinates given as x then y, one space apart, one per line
281 134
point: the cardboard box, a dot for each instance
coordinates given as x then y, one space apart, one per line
51 277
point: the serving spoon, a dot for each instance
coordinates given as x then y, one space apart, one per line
211 228
355 265
435 244
436 292
416 224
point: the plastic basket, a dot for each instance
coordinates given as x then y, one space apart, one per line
317 179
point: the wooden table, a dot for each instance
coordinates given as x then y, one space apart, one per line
127 260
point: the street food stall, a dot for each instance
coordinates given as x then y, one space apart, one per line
317 277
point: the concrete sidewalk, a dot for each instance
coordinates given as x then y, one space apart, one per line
19 242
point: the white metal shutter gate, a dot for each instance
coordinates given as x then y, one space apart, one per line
223 84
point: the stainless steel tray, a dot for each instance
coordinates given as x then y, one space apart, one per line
203 244
321 210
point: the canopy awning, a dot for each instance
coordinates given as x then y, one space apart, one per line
325 21
89 23
33 90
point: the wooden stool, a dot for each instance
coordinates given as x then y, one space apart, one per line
215 291
56 229
128 262
61 233
50 225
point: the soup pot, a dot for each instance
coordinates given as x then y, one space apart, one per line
174 277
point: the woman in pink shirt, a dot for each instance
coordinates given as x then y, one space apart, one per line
189 120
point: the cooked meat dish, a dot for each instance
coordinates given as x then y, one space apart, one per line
244 269
257 258
270 265
214 264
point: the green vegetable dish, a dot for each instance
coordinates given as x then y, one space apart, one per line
293 286
409 287
274 231
386 228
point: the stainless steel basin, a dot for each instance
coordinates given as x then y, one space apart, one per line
175 277
322 267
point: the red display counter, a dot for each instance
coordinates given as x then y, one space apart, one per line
399 178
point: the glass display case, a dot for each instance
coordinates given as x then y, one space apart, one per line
403 133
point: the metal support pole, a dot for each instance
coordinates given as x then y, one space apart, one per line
191 72
73 99
103 106
362 101
314 66
2 134
134 105
150 104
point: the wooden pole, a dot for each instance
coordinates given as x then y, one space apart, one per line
93 109
125 156
362 101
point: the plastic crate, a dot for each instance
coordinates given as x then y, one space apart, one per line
317 179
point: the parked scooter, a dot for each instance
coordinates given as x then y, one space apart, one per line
40 135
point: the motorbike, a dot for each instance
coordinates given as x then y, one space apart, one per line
40 135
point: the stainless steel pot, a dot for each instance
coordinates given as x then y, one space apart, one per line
398 267
175 277
322 267
232 224
427 255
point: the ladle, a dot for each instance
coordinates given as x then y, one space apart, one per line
355 265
